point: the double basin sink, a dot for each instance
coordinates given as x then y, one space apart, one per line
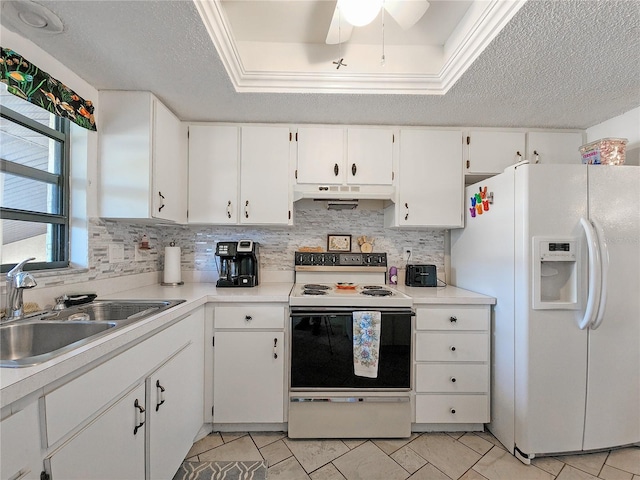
46 335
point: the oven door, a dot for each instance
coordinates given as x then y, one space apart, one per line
322 350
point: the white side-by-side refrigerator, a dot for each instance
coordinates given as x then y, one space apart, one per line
559 248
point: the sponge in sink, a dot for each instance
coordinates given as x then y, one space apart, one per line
30 307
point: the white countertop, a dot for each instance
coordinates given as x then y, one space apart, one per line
16 383
445 295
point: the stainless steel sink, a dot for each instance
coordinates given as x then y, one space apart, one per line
118 310
47 335
24 344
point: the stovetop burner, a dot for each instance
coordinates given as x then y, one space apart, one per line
377 292
313 291
315 286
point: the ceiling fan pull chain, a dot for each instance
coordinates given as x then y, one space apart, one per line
383 59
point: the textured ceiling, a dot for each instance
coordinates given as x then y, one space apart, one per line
557 64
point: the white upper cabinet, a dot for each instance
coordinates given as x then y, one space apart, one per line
321 155
554 147
338 155
490 152
239 175
370 156
265 180
214 155
430 180
142 158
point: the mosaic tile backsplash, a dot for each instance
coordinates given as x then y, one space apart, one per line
277 244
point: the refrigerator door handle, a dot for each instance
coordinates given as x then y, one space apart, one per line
594 275
604 273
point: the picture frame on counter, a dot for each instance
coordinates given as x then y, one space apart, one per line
338 243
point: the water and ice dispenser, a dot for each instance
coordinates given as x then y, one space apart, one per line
555 273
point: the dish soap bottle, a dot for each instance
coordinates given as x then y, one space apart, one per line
393 276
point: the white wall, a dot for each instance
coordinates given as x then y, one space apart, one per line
626 126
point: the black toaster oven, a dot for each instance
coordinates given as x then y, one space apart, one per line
421 276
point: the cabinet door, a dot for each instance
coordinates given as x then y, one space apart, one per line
430 178
555 147
169 193
213 174
492 152
265 176
84 456
369 156
248 382
321 155
20 440
175 410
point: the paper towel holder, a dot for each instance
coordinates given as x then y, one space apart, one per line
170 284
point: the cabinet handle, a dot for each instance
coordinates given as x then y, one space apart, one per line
453 319
229 209
354 169
248 318
140 417
336 169
160 394
275 348
452 348
161 202
453 379
406 217
536 157
246 209
452 411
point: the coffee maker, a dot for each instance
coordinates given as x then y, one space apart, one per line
239 263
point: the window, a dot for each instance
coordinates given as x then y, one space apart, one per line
34 185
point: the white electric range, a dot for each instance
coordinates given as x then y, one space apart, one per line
327 398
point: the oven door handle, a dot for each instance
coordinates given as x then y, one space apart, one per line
327 311
350 399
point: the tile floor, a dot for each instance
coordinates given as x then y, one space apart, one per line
427 456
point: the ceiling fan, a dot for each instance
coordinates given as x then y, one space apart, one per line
357 13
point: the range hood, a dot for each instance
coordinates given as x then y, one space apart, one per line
344 192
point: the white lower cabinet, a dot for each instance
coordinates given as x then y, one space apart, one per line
142 431
20 456
452 354
174 410
110 447
249 364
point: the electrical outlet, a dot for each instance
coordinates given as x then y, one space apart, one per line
116 253
408 252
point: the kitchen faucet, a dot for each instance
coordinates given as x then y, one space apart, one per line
17 281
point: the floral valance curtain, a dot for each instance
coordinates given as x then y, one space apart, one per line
38 87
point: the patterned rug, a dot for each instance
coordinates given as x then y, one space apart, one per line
222 471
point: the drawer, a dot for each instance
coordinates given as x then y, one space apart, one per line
452 409
452 378
249 316
453 317
452 347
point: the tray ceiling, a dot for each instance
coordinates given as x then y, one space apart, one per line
282 46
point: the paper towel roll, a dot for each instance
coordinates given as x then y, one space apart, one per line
172 271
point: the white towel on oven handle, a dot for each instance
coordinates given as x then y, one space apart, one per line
366 343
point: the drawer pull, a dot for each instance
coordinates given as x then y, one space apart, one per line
453 379
453 319
248 318
452 348
453 411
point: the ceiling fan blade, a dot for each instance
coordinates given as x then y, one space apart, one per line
339 29
406 12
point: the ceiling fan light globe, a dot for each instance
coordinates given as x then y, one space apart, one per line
359 12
